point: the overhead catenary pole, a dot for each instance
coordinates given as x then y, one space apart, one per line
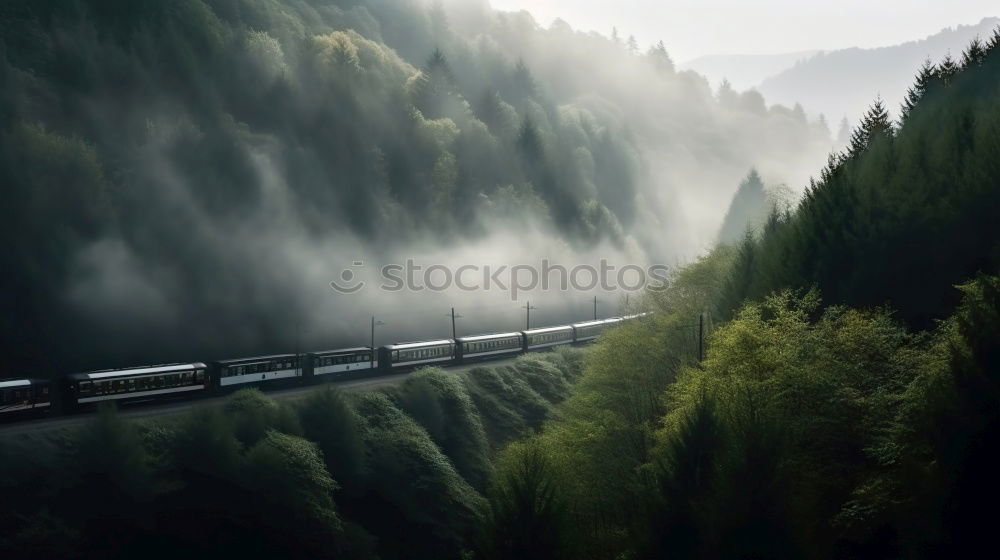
372 354
527 319
454 332
595 308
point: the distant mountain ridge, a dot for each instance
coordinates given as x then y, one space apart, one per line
843 83
744 71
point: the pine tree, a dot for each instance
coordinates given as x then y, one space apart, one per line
974 54
660 59
918 89
747 211
994 41
434 86
614 36
844 132
632 45
874 124
947 69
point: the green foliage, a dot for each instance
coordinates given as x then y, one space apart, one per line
253 413
424 500
290 471
865 229
439 402
330 421
529 517
111 461
205 443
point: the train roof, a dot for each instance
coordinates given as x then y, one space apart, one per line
255 359
144 370
477 337
8 383
548 329
406 345
341 351
591 323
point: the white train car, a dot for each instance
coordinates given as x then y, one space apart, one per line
338 363
259 370
23 395
547 337
489 345
137 383
411 354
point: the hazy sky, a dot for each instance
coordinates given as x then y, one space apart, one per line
692 28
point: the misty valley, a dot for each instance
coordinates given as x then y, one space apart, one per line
498 279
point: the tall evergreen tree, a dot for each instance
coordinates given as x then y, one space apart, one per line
435 92
844 132
747 211
994 40
947 69
632 45
974 54
874 124
923 79
660 59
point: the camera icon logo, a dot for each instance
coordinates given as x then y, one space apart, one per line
347 283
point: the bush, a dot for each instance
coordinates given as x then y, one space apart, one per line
253 413
439 402
332 423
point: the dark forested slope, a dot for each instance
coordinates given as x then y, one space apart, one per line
908 212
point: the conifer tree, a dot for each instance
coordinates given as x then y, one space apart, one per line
994 41
434 86
632 45
747 211
923 79
660 59
974 54
844 132
874 124
947 69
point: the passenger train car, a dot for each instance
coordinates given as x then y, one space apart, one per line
131 384
188 380
19 396
243 371
486 346
340 363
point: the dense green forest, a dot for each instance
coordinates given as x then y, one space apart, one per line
207 166
847 405
394 473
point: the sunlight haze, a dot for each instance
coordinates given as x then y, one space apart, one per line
691 29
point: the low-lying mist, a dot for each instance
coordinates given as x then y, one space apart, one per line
186 179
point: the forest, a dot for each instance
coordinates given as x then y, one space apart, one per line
208 166
845 402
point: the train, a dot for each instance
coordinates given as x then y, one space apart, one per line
80 391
